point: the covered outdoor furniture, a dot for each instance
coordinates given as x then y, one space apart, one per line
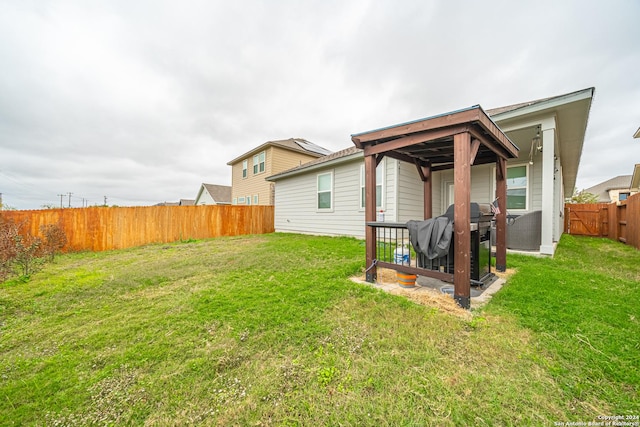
524 232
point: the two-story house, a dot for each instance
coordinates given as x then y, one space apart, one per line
249 170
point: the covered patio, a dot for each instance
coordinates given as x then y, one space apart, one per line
457 140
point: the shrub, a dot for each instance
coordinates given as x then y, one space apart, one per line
23 253
28 251
54 240
8 234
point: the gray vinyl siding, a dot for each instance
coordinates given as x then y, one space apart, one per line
295 196
535 181
295 207
410 192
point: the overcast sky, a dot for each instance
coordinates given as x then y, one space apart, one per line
142 101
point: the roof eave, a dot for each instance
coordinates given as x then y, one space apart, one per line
571 157
545 105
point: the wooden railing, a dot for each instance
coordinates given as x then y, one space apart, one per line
105 228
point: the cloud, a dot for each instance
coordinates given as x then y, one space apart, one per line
143 101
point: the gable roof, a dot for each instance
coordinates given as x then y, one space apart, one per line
571 113
621 182
219 193
573 106
299 145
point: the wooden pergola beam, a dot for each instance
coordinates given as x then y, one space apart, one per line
462 220
455 140
370 216
406 141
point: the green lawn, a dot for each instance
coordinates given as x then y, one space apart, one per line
268 330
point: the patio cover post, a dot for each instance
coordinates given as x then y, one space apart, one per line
462 219
427 185
501 218
370 216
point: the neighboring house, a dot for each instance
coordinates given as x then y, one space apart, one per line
248 171
326 196
186 202
635 179
211 194
612 190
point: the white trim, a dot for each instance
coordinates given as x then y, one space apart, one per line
261 158
331 191
245 168
544 105
528 188
382 169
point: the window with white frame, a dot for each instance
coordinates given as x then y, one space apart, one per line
241 200
517 187
255 199
235 200
245 167
325 191
258 163
379 186
248 200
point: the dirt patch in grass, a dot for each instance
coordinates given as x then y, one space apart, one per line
434 299
420 295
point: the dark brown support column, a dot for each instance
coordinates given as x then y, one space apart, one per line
427 192
370 216
501 218
462 219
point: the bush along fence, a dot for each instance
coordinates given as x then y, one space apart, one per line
619 222
106 228
22 253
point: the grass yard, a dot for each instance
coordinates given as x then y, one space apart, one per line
269 330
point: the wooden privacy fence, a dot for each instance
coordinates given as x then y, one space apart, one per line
617 222
104 228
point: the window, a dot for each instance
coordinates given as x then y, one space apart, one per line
517 183
325 191
248 200
235 200
245 166
379 186
623 196
258 163
255 199
240 200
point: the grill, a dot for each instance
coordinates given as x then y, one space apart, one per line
481 217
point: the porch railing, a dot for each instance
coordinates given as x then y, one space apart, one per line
394 251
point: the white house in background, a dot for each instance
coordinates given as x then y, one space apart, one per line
326 196
211 194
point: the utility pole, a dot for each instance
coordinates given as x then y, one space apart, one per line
61 196
70 193
105 200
